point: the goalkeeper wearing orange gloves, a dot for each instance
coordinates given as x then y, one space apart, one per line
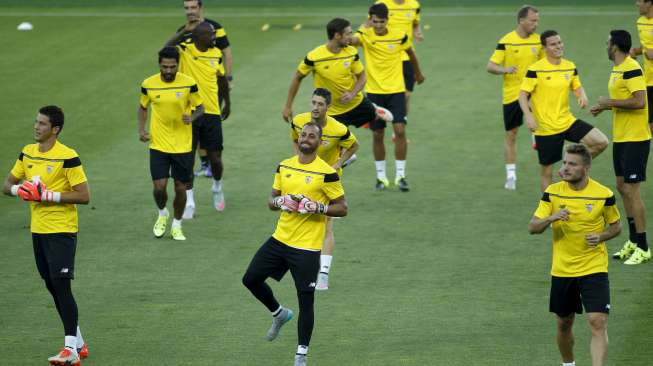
54 182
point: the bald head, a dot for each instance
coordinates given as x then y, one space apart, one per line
204 35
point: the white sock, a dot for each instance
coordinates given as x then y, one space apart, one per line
278 311
190 198
325 263
380 169
511 171
572 363
80 340
217 186
163 212
176 223
401 168
302 350
71 342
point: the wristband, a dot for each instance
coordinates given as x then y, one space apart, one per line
230 78
50 196
14 190
322 208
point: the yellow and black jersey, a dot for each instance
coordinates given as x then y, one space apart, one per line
60 169
317 181
335 72
335 136
549 86
512 50
590 211
221 40
403 16
628 124
383 64
169 102
645 31
204 67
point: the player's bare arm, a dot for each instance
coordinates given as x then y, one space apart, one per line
195 115
419 77
613 230
637 101
417 32
526 109
358 86
497 69
80 195
581 97
9 183
538 226
228 65
292 92
224 97
176 38
337 207
143 135
346 154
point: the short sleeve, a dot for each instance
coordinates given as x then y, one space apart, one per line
610 210
18 170
347 140
306 66
499 55
357 66
144 98
277 180
530 81
195 98
221 40
418 15
544 209
634 80
74 171
575 80
332 187
404 45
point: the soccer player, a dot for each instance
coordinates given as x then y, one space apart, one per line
645 30
405 15
194 16
514 53
383 48
336 67
632 140
583 215
547 84
173 96
54 182
203 62
338 146
307 190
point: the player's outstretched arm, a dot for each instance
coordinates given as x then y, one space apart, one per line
419 77
292 93
637 101
176 39
10 187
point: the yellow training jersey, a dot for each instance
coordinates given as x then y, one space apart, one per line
590 211
60 170
549 86
404 16
383 65
335 136
512 50
317 181
204 67
645 31
169 102
335 72
628 124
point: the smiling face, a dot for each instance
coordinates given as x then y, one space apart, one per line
554 47
309 139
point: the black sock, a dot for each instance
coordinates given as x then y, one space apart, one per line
641 241
632 230
306 317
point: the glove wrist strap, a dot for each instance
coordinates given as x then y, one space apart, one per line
50 196
14 190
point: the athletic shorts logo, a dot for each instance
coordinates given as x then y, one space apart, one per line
632 176
308 179
64 270
607 306
589 207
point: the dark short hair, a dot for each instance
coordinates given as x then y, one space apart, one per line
582 150
199 2
55 115
547 34
313 124
324 93
524 10
380 10
336 25
621 39
169 52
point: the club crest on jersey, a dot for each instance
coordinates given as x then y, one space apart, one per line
212 63
308 179
566 76
347 63
391 46
534 50
179 94
49 169
589 207
409 14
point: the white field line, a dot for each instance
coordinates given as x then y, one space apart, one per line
435 14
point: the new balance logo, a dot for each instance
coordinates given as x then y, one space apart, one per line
64 270
632 176
607 306
312 284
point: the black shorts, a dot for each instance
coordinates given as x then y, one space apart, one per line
395 103
55 254
409 75
513 116
275 258
363 113
549 148
181 165
570 294
649 97
207 130
630 159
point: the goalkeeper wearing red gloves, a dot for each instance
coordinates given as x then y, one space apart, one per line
53 181
307 190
